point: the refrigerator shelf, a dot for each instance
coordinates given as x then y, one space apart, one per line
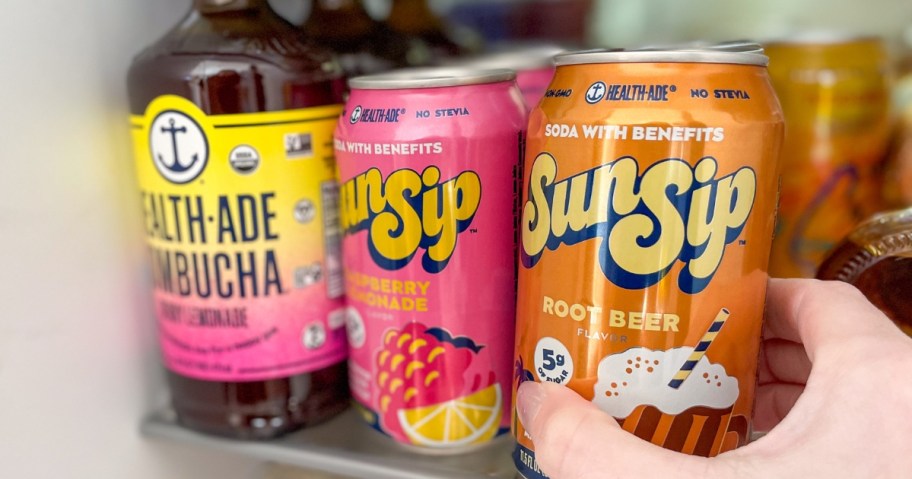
347 447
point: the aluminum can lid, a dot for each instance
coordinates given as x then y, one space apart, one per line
431 77
739 52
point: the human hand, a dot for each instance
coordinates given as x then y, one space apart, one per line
835 393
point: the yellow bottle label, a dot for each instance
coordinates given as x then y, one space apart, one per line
241 218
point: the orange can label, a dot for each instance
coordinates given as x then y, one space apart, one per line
648 208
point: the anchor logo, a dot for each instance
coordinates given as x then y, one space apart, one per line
179 146
596 92
355 115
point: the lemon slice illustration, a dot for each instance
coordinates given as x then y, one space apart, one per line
463 421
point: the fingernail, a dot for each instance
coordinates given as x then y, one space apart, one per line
529 397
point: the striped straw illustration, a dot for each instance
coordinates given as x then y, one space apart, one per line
700 350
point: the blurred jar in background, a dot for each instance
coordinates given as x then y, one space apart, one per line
430 39
835 96
363 45
898 171
876 257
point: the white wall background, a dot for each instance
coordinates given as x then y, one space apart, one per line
78 365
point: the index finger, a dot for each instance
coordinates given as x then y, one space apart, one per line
824 314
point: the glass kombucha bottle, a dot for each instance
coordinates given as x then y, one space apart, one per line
232 117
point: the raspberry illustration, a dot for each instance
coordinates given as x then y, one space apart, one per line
434 389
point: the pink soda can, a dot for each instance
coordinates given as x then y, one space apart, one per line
428 167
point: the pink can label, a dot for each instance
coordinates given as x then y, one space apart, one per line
534 84
241 220
427 196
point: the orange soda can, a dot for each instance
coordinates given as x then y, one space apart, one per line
649 201
835 96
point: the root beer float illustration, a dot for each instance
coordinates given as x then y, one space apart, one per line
674 398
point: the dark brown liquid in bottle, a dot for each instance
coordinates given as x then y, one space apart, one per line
238 56
362 44
877 259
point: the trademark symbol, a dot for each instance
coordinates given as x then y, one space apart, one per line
742 242
473 230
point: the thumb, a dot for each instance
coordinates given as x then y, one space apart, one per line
574 439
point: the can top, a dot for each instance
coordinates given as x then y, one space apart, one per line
739 52
515 57
431 77
735 46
